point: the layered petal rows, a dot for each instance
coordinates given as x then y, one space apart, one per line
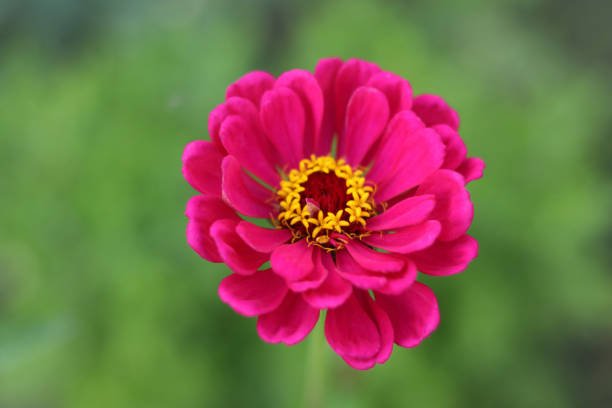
347 232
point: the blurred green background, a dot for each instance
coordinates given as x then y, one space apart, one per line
103 304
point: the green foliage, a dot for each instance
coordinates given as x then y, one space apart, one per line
103 304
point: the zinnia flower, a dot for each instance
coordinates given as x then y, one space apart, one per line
359 186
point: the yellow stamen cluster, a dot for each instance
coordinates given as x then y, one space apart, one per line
318 225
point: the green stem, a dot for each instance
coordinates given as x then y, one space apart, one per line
315 369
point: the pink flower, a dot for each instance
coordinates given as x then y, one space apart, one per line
346 231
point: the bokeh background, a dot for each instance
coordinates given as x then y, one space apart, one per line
102 302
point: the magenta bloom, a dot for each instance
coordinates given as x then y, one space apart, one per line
348 226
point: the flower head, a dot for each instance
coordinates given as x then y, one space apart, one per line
348 227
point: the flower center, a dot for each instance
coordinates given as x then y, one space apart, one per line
325 196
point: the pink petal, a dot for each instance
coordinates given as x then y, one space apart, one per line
262 239
453 207
202 167
246 149
356 274
215 119
333 291
283 119
362 363
422 155
202 212
244 108
387 282
392 145
351 332
316 277
409 211
374 260
325 73
290 323
366 117
455 147
399 281
409 239
471 169
248 112
242 192
234 252
255 294
251 86
446 258
396 89
353 74
305 85
258 191
399 96
434 110
292 261
385 331
414 314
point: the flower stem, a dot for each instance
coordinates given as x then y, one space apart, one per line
315 369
